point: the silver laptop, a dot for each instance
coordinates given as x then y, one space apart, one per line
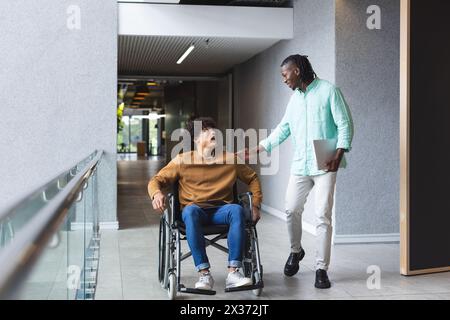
324 151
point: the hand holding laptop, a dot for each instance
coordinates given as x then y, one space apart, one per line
327 157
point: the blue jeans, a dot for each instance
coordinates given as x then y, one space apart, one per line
195 217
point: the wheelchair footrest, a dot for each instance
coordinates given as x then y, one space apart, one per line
259 285
197 291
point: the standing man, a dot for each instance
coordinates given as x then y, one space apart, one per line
316 111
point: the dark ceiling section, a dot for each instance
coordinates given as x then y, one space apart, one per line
142 94
252 3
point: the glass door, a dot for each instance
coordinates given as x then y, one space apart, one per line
130 135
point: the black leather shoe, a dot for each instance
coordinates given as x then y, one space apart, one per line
291 267
322 281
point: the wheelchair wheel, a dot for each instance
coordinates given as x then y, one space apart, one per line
172 288
163 254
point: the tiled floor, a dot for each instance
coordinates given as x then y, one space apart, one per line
128 262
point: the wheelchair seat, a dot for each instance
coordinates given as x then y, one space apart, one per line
207 229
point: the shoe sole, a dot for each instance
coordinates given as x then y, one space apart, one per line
293 273
322 286
237 285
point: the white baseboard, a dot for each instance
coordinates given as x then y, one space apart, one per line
109 225
366 238
339 239
273 212
306 226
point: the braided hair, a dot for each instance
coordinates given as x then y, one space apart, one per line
307 73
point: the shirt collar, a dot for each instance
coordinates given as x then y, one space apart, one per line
311 86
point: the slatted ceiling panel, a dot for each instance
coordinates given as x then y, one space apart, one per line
158 55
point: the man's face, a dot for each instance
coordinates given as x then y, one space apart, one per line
207 138
291 75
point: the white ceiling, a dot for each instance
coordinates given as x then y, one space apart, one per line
157 55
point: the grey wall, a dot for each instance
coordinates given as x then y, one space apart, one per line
367 70
58 94
260 97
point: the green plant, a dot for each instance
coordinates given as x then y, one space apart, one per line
120 123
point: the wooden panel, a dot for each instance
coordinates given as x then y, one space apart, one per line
404 135
425 137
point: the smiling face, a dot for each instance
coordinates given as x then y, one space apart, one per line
291 75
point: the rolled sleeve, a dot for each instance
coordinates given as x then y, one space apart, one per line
343 120
278 136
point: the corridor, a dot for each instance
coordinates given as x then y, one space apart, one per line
128 257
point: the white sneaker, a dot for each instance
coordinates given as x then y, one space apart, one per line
205 282
236 279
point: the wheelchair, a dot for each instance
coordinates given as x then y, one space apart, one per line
172 231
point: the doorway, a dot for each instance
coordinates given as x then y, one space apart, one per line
150 109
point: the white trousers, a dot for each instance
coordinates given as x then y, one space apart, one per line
297 193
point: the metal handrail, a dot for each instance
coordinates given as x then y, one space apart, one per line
17 258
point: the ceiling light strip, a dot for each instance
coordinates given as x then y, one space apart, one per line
188 51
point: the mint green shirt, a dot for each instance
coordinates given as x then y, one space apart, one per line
316 114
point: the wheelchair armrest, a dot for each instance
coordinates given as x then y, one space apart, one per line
247 195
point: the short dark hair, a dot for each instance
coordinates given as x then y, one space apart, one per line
207 123
306 70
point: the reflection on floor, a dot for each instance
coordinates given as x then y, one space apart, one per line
128 263
134 156
133 202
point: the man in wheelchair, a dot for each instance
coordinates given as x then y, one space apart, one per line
205 181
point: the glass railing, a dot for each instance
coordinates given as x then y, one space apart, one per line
49 242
